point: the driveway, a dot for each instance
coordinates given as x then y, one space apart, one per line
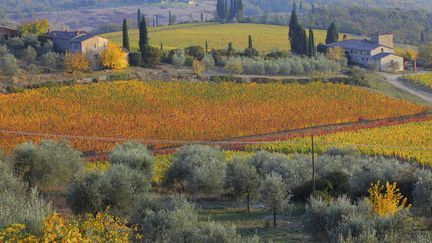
394 79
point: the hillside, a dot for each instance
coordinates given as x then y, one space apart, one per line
188 111
265 37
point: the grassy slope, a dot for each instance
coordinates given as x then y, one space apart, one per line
265 37
379 84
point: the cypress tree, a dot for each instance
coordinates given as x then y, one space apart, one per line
312 51
206 45
221 12
332 34
161 46
301 6
240 13
143 37
139 17
423 37
125 36
304 43
294 8
233 9
250 44
202 16
154 21
295 34
226 10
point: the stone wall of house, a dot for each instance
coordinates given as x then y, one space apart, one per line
383 39
386 63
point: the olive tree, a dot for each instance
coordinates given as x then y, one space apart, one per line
47 164
8 64
135 155
423 192
242 178
275 194
197 168
114 189
18 205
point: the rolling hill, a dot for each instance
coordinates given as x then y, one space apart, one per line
265 37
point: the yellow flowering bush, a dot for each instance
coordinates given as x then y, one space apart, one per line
389 202
99 228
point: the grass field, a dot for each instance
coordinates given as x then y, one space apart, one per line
186 111
265 37
411 142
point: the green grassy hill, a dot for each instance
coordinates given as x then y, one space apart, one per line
265 37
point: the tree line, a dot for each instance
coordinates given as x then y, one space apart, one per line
230 10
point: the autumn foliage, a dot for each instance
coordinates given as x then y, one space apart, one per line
185 111
99 228
74 61
386 200
113 57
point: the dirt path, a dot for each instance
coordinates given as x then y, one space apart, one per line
395 80
238 143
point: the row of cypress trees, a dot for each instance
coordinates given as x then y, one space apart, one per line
231 11
301 43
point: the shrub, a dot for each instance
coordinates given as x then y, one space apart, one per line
189 60
50 60
388 203
197 168
74 62
195 51
208 61
29 54
422 192
234 66
176 220
152 55
134 155
8 64
135 59
198 67
178 59
113 57
46 165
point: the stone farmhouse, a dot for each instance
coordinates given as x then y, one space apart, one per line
377 52
7 32
77 41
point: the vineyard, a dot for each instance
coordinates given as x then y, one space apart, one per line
217 35
102 114
424 79
411 142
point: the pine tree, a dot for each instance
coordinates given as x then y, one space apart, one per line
312 51
250 44
143 37
332 34
139 17
125 36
